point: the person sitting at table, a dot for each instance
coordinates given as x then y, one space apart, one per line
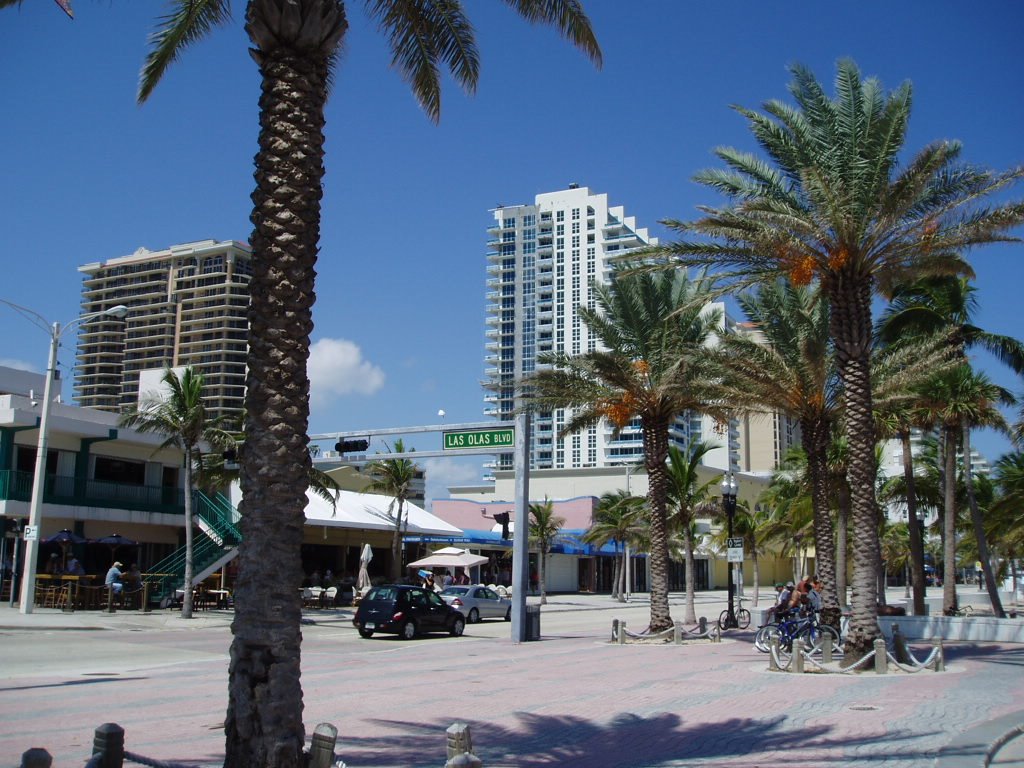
53 565
133 578
75 567
114 576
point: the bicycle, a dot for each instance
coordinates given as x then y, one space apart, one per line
806 630
741 614
961 610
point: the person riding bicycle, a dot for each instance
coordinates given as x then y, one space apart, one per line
781 608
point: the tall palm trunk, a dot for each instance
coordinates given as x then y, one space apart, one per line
690 612
949 603
617 568
916 540
542 566
842 539
186 598
979 530
264 726
396 546
815 439
655 432
850 297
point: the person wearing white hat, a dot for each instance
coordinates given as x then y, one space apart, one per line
114 575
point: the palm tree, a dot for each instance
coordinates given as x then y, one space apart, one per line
394 477
790 367
833 203
180 416
544 533
654 365
617 519
295 44
689 498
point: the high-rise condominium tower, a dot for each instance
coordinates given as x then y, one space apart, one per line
187 306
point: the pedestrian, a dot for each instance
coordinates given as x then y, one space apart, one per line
814 595
447 581
53 565
428 582
75 567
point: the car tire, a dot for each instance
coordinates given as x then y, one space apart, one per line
408 630
474 616
508 614
458 627
366 633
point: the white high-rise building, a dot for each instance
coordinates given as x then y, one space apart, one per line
542 259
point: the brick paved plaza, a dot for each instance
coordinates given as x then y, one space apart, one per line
571 699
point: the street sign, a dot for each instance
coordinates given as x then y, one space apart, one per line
31 533
733 543
479 438
735 554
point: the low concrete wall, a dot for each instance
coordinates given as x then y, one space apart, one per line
965 628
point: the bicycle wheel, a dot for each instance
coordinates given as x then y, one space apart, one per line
723 620
743 618
763 637
814 637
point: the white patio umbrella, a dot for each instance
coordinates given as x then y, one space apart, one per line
364 575
449 557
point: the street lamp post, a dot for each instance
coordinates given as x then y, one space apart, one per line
729 488
35 508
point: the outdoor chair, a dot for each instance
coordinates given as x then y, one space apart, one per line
328 597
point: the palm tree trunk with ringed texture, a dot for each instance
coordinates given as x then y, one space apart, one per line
979 530
949 602
850 297
655 439
815 439
264 727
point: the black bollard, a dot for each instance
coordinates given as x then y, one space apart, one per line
108 742
37 757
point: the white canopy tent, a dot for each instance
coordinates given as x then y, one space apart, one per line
367 511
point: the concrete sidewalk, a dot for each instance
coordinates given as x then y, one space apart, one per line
572 699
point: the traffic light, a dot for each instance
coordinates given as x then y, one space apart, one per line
502 517
351 446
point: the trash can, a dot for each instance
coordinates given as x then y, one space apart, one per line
533 622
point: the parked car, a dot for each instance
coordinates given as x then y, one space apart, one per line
406 611
477 602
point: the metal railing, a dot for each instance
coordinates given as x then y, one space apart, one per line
73 491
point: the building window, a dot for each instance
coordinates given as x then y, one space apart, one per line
122 471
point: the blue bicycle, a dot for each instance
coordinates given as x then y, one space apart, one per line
805 630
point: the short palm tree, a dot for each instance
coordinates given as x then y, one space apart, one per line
394 477
688 499
833 203
654 365
618 519
180 416
545 526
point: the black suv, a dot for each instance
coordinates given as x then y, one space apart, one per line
406 611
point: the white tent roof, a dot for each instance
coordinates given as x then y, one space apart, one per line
367 511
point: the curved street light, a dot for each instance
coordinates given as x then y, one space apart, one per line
35 508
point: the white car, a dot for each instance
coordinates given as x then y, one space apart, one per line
476 602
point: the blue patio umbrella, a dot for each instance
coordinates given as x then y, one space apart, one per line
65 537
114 541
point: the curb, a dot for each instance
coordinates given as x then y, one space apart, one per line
976 747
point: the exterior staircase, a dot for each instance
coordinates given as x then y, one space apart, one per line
215 544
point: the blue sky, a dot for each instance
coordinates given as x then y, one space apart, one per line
89 175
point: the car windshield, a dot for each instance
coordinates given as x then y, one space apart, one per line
384 594
455 591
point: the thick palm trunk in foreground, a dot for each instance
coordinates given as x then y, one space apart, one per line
815 444
264 720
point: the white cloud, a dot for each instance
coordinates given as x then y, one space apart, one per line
20 365
337 368
443 472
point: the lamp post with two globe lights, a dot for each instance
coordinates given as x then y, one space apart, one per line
729 488
35 509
